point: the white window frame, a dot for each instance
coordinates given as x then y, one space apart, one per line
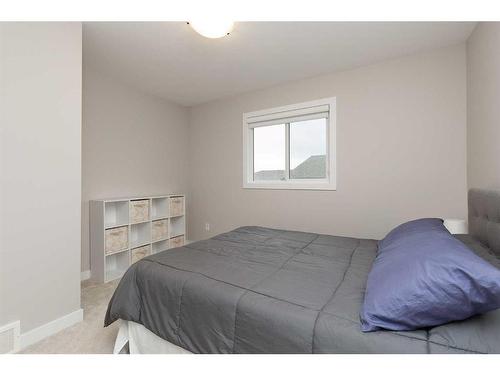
328 183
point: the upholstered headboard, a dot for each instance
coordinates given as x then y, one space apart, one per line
484 217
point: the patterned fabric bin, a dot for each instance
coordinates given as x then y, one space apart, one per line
159 230
176 206
139 253
139 211
177 241
116 239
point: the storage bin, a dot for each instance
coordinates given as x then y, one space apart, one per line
176 206
139 211
116 239
139 253
159 230
177 241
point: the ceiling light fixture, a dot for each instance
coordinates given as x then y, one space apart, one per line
212 28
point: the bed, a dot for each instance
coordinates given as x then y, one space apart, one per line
262 290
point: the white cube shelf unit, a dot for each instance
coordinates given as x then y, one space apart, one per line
124 230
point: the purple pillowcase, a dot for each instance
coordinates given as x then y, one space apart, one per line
423 277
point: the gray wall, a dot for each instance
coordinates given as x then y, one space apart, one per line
401 151
133 144
483 106
40 179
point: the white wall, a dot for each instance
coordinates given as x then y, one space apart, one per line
401 151
483 106
133 144
40 179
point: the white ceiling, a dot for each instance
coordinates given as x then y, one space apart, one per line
170 60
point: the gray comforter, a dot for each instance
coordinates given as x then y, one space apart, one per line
259 290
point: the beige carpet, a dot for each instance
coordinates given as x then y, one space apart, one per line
88 336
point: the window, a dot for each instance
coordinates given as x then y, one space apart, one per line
269 162
290 147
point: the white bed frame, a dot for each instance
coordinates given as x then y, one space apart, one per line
142 341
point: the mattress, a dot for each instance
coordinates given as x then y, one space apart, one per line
261 290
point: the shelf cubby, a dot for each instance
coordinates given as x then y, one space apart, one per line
140 234
159 208
177 226
116 265
116 213
160 246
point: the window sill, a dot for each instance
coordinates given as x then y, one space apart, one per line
290 186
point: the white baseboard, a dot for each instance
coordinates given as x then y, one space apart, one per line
50 328
85 275
9 337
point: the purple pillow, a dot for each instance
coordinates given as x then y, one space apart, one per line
423 277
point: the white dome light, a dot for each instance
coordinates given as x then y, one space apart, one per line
212 28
